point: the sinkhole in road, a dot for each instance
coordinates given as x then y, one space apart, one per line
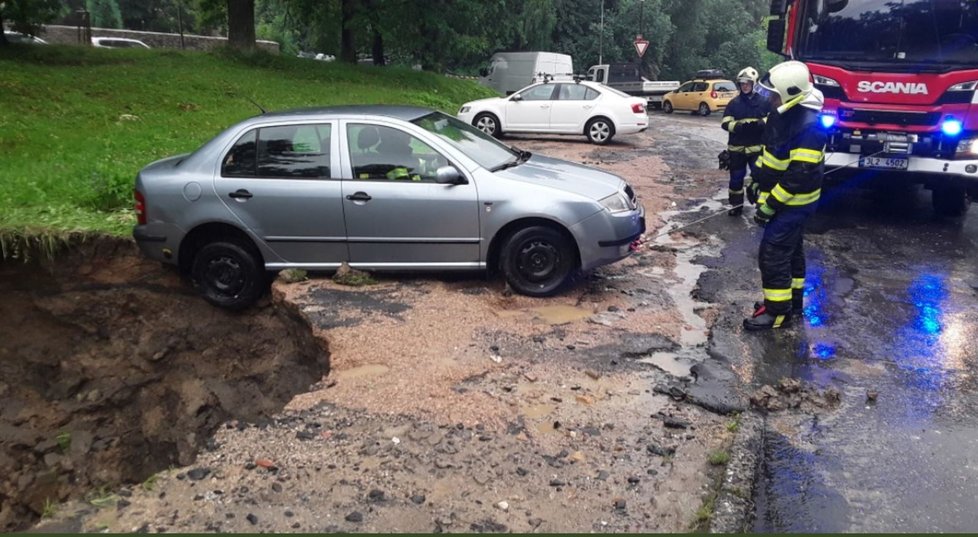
111 370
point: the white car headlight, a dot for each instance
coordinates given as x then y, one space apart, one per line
464 109
616 203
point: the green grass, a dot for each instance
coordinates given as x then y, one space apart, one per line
77 124
719 458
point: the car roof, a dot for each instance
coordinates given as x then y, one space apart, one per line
402 112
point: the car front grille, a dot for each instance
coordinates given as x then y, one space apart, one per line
888 117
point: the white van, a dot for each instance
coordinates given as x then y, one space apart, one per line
512 71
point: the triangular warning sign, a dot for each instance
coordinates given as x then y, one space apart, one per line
640 46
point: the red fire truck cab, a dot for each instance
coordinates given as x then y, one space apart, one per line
900 80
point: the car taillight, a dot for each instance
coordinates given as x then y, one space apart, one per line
638 108
140 207
713 94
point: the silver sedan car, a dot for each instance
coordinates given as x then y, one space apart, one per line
380 188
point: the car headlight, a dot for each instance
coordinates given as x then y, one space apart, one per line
967 148
965 86
824 81
617 203
464 109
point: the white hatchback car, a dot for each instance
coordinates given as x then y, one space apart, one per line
560 107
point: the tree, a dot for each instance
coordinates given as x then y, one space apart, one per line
241 24
27 16
104 13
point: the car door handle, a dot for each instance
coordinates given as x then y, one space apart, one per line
241 194
587 107
544 106
359 196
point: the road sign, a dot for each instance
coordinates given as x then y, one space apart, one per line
641 45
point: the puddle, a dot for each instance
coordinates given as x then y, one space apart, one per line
369 370
552 315
539 410
669 362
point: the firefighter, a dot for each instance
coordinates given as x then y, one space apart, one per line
789 182
744 120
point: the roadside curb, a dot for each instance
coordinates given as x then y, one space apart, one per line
734 507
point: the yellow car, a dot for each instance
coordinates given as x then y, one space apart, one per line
701 96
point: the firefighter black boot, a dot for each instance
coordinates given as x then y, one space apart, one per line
736 211
762 319
797 302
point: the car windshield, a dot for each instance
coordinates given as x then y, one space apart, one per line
478 145
913 32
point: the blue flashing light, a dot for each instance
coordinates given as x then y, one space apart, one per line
824 351
951 127
827 120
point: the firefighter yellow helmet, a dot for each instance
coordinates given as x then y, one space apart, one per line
791 80
747 74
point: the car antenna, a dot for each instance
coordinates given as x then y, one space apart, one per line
252 101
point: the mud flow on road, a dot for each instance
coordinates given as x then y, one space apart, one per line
453 405
110 371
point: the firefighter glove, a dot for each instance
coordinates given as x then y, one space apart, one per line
724 159
753 192
763 215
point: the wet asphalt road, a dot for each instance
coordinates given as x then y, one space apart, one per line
890 307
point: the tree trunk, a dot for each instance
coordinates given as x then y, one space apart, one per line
241 24
378 49
348 46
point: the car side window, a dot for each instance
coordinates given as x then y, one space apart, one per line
572 92
591 94
294 151
241 160
382 153
543 92
685 87
700 87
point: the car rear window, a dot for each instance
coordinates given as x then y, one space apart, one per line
724 86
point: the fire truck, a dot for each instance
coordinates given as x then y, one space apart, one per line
899 79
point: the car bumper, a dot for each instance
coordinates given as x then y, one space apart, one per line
466 117
158 241
605 238
962 169
632 127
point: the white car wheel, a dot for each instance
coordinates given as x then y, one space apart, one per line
599 131
487 123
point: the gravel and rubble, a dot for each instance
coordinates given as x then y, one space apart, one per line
452 404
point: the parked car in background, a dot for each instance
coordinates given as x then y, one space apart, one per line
23 39
560 107
117 42
702 96
380 188
508 72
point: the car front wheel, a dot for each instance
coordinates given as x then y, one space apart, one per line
488 123
537 260
599 131
229 274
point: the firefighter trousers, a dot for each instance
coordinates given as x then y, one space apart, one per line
782 259
739 162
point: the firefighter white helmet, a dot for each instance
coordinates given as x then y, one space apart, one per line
747 74
791 80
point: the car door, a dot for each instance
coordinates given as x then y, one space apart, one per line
397 216
572 108
529 110
697 95
681 96
278 181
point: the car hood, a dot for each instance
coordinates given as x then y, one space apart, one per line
566 176
487 100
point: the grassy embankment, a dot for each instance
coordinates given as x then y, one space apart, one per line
76 124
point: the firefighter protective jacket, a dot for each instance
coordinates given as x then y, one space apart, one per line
744 120
792 161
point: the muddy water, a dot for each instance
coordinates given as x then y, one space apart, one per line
110 370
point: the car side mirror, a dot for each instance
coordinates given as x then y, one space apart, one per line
449 175
518 97
775 36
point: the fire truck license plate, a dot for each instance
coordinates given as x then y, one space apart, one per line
888 163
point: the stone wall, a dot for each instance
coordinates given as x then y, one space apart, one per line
68 35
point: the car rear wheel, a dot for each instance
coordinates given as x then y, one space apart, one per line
229 274
599 131
667 107
704 109
488 123
537 260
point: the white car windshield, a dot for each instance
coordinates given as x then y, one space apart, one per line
478 145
